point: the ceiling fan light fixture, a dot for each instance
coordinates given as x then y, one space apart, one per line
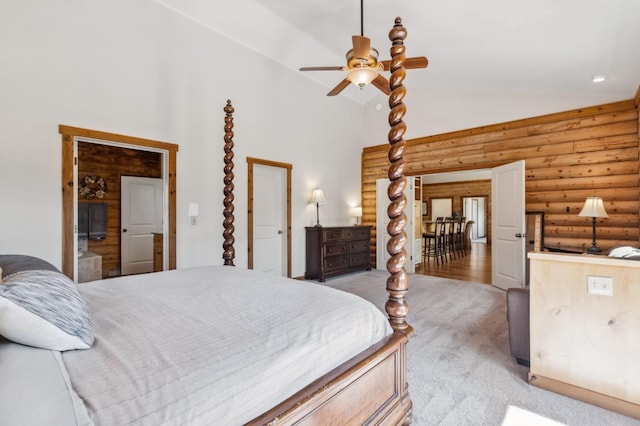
362 75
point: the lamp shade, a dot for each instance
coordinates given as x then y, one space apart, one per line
361 76
593 207
317 196
357 211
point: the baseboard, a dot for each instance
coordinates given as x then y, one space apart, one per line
605 401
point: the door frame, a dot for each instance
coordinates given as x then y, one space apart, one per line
251 161
70 136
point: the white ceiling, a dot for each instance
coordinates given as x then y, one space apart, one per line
507 46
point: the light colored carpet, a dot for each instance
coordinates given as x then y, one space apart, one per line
460 370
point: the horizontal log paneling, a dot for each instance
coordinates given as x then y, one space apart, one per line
573 208
607 156
617 181
580 170
568 156
484 130
111 163
579 195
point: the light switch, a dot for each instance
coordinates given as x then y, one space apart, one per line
602 286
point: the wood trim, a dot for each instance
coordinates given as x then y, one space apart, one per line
253 160
509 125
344 395
69 186
610 403
115 137
250 162
173 191
68 191
636 99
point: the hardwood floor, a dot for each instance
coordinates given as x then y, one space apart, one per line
475 266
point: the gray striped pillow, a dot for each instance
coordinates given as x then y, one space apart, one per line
44 309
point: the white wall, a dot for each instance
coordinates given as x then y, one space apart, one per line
136 68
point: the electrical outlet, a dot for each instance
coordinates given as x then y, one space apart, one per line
602 286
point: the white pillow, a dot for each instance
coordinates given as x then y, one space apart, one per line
44 309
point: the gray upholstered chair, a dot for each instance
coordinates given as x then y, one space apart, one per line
518 318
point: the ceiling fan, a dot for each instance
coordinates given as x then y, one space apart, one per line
362 64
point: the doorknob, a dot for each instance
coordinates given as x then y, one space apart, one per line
279 231
124 230
519 235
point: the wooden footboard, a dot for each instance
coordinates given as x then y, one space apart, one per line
370 389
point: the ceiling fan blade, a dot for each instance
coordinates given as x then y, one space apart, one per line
382 83
321 69
417 62
409 63
361 46
339 88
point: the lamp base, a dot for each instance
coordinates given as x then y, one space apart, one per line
594 249
317 225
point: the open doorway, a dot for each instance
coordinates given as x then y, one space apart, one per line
475 209
116 226
457 187
71 184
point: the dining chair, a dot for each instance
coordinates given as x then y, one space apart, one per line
434 242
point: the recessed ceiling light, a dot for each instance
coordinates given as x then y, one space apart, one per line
598 78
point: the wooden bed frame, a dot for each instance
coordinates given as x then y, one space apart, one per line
370 388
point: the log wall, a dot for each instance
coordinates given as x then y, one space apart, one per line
110 163
568 156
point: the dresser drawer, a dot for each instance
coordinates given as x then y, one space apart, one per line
332 234
335 263
359 259
336 249
355 234
359 246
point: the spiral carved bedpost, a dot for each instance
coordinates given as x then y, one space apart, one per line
229 252
397 284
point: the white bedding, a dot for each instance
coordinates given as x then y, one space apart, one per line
211 345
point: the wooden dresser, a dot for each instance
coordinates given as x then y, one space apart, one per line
337 250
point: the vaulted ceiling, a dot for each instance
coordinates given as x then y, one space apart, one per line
488 46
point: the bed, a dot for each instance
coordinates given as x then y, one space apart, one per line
213 344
